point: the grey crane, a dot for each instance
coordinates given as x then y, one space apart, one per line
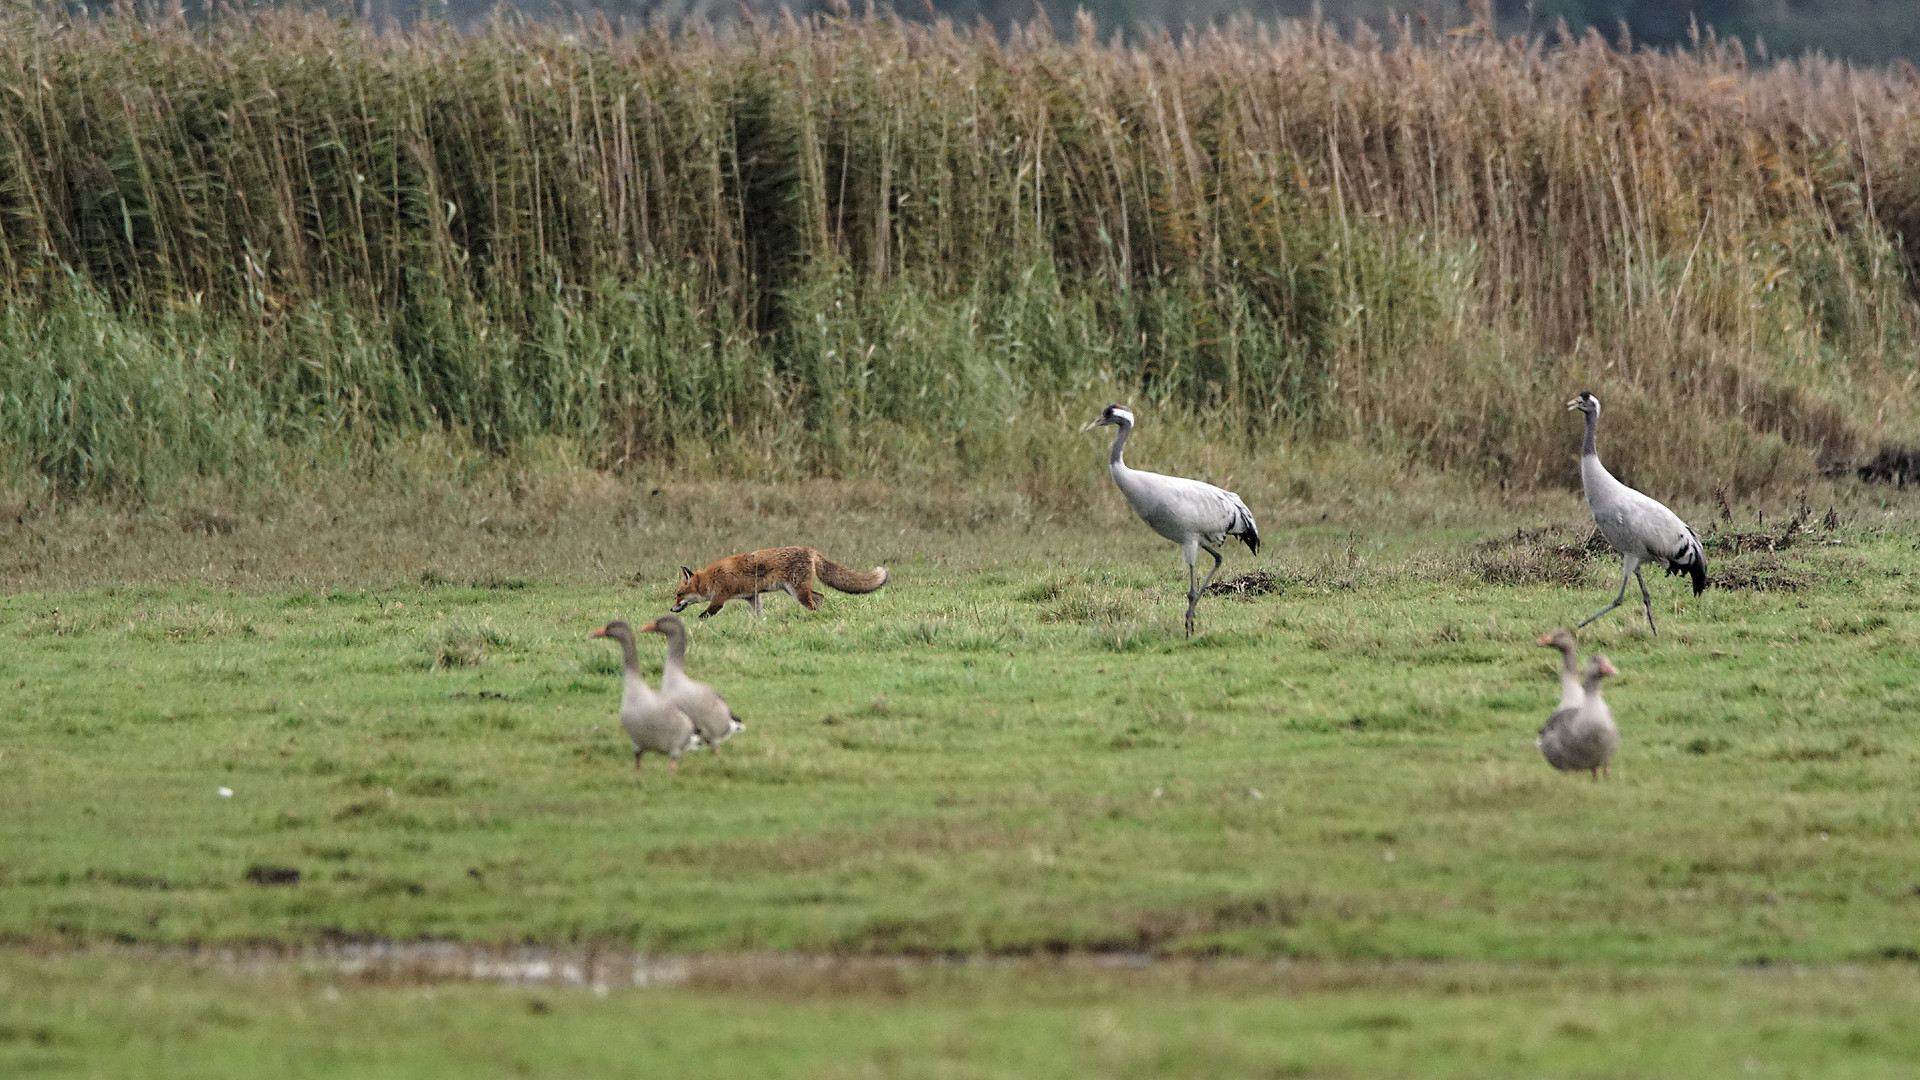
1639 528
1194 514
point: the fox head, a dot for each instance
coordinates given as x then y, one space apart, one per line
689 591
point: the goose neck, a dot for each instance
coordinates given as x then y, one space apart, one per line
1569 665
676 654
630 665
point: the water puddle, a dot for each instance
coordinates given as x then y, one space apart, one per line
425 962
414 963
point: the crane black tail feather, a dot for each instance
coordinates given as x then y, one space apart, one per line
1247 534
1691 561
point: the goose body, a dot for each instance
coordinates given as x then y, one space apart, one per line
1192 513
1640 528
712 718
1583 737
654 723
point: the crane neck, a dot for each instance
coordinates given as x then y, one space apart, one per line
1119 444
1587 448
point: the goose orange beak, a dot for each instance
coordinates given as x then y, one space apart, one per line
602 632
651 628
1544 639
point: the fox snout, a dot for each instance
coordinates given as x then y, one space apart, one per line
680 603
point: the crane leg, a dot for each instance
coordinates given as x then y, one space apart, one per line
1645 598
1218 559
1193 595
1628 565
1194 591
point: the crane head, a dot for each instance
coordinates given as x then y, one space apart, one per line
1112 415
1586 403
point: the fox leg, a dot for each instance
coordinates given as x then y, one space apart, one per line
714 608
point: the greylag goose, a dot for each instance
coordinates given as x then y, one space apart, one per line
1583 737
1192 513
652 722
1570 693
1639 528
711 716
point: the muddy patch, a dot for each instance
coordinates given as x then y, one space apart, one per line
1249 585
1543 556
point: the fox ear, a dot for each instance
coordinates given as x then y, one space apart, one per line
686 572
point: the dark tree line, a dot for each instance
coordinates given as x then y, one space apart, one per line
1864 31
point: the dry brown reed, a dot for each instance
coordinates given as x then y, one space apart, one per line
840 246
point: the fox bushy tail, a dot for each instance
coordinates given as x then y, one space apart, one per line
845 580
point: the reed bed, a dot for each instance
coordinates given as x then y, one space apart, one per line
857 246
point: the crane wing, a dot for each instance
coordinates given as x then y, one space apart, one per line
1213 511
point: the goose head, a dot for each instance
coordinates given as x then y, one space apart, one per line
1600 667
668 625
1112 416
1559 639
1586 403
618 630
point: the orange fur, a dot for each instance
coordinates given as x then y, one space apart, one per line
784 569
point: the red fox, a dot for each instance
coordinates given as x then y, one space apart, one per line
770 570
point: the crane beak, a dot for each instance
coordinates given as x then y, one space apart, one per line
1093 424
1574 404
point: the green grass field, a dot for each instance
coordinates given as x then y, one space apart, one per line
98 1016
1009 755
